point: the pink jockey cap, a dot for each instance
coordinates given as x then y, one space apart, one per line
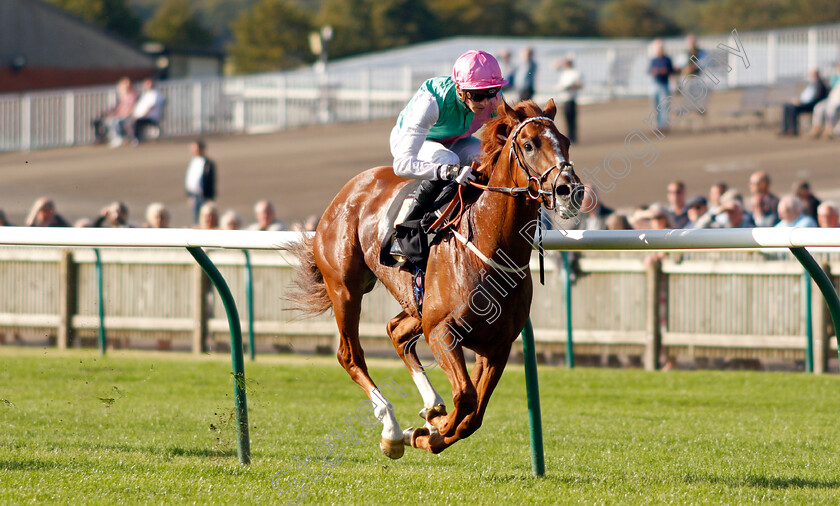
477 70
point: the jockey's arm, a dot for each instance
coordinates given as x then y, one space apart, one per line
418 121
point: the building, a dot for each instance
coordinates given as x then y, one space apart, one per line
42 46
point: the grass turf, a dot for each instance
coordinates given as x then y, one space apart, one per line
137 427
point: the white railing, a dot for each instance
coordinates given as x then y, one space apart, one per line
358 90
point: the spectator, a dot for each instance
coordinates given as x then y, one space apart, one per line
43 214
568 85
763 203
3 221
596 214
676 204
827 111
266 219
828 215
813 92
83 223
695 209
208 216
200 181
311 223
715 192
148 111
230 220
660 69
618 221
506 66
522 79
659 218
639 219
157 216
802 190
693 54
735 216
114 215
790 213
118 119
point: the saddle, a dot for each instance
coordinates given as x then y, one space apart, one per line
415 237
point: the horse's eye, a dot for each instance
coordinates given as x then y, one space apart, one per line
528 146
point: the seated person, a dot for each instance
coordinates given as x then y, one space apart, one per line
148 111
813 93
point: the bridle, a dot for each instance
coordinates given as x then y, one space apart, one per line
535 180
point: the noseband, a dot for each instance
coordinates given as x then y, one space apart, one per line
535 180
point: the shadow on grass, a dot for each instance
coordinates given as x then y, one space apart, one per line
751 480
30 465
200 452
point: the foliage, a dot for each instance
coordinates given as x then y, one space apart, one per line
721 16
635 18
175 23
611 436
401 22
352 26
273 35
488 17
566 18
116 16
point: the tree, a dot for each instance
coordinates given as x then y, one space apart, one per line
401 22
116 16
566 18
274 34
635 18
487 17
176 24
352 26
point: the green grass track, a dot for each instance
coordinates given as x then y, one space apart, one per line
153 428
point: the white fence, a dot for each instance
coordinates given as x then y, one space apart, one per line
368 88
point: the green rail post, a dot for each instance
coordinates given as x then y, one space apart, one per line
823 283
249 299
240 403
101 337
809 325
533 388
567 286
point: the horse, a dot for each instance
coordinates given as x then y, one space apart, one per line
525 162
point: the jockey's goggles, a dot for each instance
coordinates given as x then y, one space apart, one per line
482 95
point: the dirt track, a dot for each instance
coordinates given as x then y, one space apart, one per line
301 170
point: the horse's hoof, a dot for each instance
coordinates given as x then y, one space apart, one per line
392 449
429 413
411 433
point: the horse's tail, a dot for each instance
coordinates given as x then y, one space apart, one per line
307 293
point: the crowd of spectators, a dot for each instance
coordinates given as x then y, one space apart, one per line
116 215
724 207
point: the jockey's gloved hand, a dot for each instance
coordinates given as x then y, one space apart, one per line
461 175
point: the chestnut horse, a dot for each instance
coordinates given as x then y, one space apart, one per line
485 259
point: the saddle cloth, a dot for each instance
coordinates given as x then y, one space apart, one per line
414 236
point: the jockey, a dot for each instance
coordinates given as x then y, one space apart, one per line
433 140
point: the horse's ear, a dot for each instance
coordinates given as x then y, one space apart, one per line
550 110
504 109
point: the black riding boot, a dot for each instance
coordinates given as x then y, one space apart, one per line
424 197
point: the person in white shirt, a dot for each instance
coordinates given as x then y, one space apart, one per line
567 86
200 180
147 111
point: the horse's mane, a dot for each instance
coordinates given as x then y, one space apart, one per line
498 129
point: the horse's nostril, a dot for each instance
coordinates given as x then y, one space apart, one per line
562 191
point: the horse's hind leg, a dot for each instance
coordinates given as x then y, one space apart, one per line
405 331
346 284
